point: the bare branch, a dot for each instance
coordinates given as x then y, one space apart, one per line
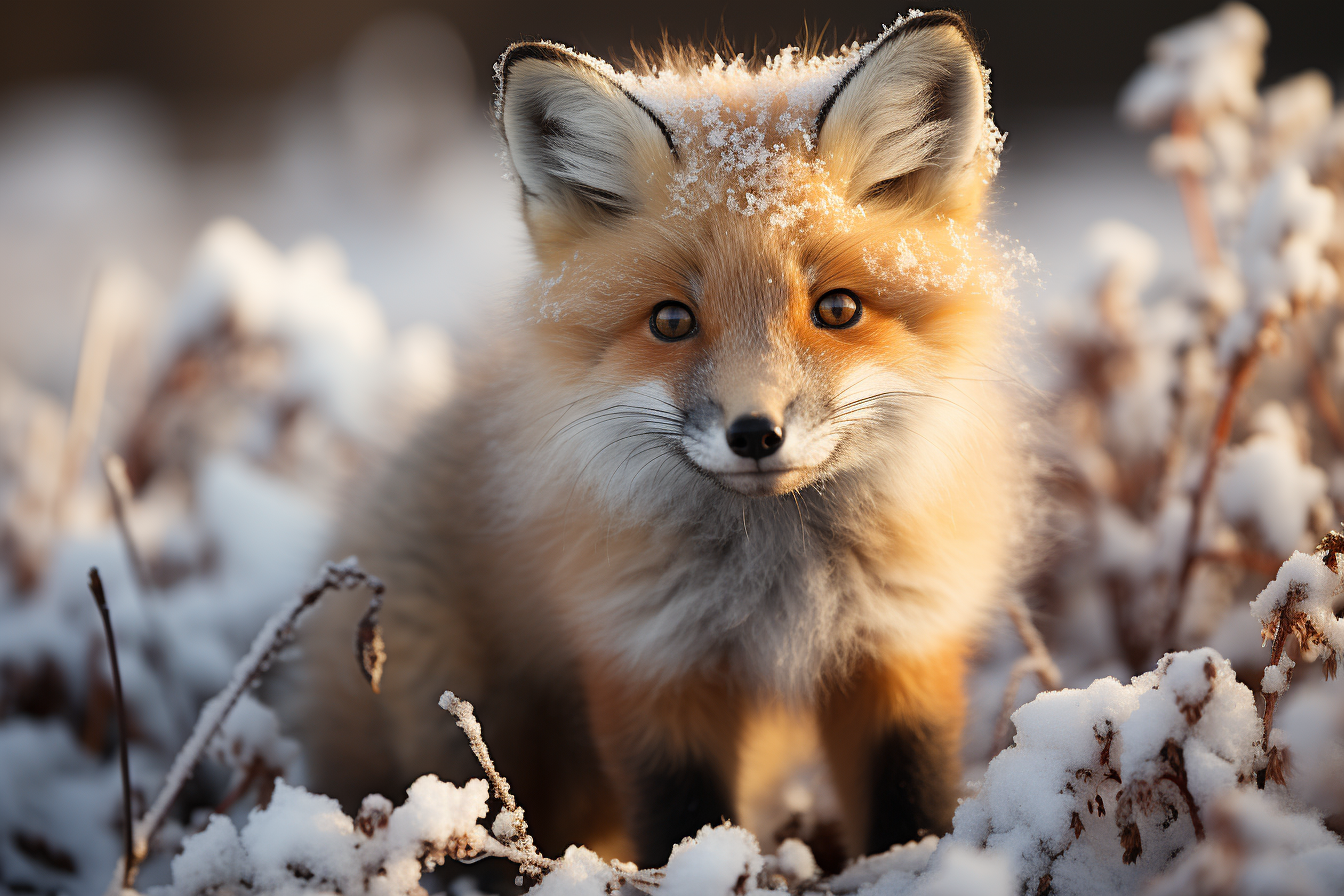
1037 659
100 600
1239 377
516 843
277 633
1194 198
119 485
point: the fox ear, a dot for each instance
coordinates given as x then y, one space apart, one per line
903 127
582 147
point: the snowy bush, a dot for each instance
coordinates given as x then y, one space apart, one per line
1200 446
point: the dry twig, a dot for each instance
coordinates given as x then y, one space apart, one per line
1194 198
517 846
119 485
1239 377
1282 628
100 599
273 637
1037 660
1319 392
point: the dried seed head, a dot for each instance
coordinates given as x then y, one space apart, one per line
1332 545
1131 842
1277 765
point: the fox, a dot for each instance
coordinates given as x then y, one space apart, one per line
738 443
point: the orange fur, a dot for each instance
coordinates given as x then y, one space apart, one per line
574 545
922 689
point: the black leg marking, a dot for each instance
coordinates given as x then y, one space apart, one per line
674 803
914 786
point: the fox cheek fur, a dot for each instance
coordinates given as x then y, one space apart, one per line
679 491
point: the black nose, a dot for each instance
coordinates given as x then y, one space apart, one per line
755 436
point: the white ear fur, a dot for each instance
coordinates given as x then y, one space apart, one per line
582 147
904 125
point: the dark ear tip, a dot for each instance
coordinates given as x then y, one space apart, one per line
527 49
939 18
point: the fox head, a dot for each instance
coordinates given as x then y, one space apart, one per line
765 276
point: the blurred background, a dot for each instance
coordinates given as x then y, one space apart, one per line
126 126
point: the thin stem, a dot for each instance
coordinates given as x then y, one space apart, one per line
519 848
1038 660
1240 376
1319 393
119 485
1281 632
1045 667
1194 198
274 636
100 599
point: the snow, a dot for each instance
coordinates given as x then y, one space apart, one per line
1319 584
303 842
341 354
714 862
1209 66
1275 680
1288 226
243 487
1055 802
250 734
1265 481
1256 846
794 860
581 873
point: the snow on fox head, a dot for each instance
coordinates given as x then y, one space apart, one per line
767 275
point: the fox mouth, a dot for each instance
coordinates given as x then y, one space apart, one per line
762 483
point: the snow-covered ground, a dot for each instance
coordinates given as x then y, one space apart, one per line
248 333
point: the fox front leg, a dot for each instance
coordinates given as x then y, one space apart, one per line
892 734
671 753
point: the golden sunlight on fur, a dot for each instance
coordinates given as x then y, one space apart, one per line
627 548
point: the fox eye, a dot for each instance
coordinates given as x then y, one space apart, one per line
838 309
671 321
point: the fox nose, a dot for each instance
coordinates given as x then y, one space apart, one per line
755 436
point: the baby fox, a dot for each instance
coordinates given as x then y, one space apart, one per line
736 445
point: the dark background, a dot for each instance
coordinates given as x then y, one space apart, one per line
209 59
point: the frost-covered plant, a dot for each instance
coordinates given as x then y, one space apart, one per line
1298 603
234 447
1201 414
1104 785
1255 846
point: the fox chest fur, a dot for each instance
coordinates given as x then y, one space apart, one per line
739 440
